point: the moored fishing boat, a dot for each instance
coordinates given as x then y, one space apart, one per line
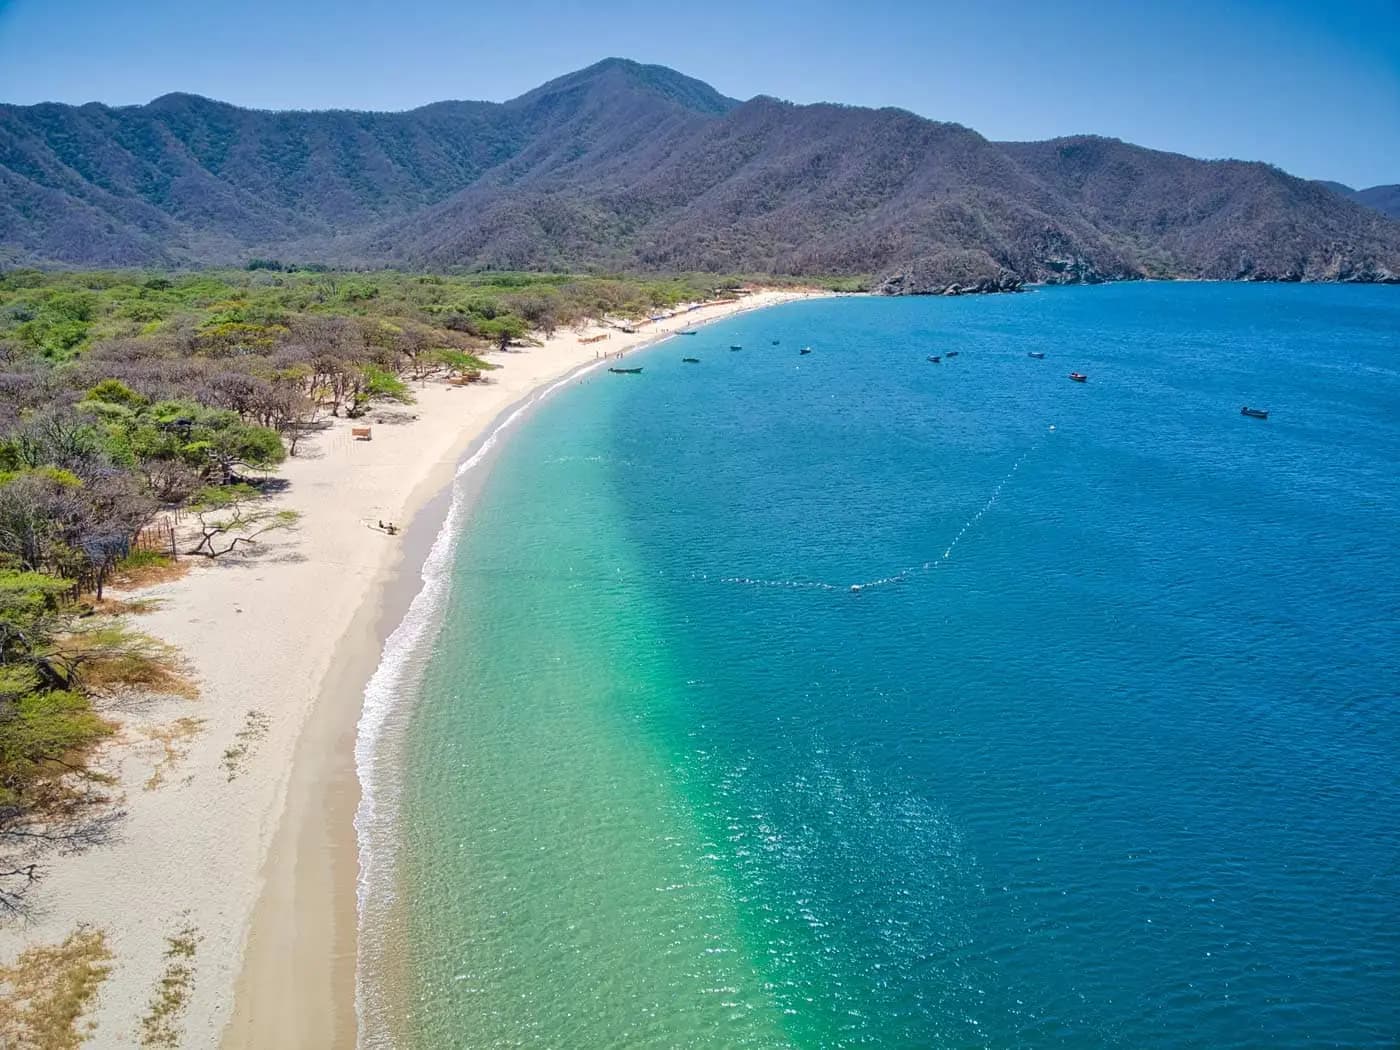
1254 413
1078 377
688 331
736 346
1037 355
625 371
936 360
690 360
805 350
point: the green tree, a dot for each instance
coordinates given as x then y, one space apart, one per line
378 384
504 330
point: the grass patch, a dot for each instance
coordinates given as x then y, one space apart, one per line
160 1027
255 727
110 606
146 569
175 739
45 994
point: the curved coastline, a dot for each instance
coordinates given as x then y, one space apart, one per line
319 870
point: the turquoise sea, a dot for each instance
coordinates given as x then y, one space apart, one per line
1105 751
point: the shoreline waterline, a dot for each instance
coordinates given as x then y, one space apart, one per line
283 991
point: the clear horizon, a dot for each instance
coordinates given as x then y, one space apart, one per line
1314 91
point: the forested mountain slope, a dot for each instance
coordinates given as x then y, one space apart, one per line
625 166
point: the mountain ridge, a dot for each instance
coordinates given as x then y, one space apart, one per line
1384 199
629 166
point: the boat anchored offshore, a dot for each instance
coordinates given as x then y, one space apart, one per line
805 350
688 331
1254 413
1078 377
1037 355
690 360
951 353
935 360
625 371
736 346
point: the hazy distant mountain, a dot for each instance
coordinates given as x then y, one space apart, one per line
629 166
1384 199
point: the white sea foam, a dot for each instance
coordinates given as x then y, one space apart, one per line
405 653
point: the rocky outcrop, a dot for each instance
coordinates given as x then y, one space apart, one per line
951 273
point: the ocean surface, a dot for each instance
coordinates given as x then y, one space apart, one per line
1103 752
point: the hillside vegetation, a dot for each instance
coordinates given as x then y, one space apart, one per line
628 167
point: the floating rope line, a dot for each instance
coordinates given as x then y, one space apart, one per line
906 573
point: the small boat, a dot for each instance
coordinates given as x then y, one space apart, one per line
935 360
688 331
1078 377
1037 355
775 342
690 360
1254 413
805 350
951 353
625 371
736 346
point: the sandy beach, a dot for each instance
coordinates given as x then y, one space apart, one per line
238 834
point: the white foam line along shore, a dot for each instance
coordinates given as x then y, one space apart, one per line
403 658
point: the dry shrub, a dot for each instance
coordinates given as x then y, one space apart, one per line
47 991
107 658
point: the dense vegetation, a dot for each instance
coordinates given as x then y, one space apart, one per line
623 166
127 395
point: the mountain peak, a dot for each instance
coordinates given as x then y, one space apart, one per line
624 73
183 101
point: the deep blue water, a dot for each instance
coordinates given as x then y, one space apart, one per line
1104 753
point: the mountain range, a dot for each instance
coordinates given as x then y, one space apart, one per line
624 166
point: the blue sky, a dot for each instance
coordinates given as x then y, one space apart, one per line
1311 86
